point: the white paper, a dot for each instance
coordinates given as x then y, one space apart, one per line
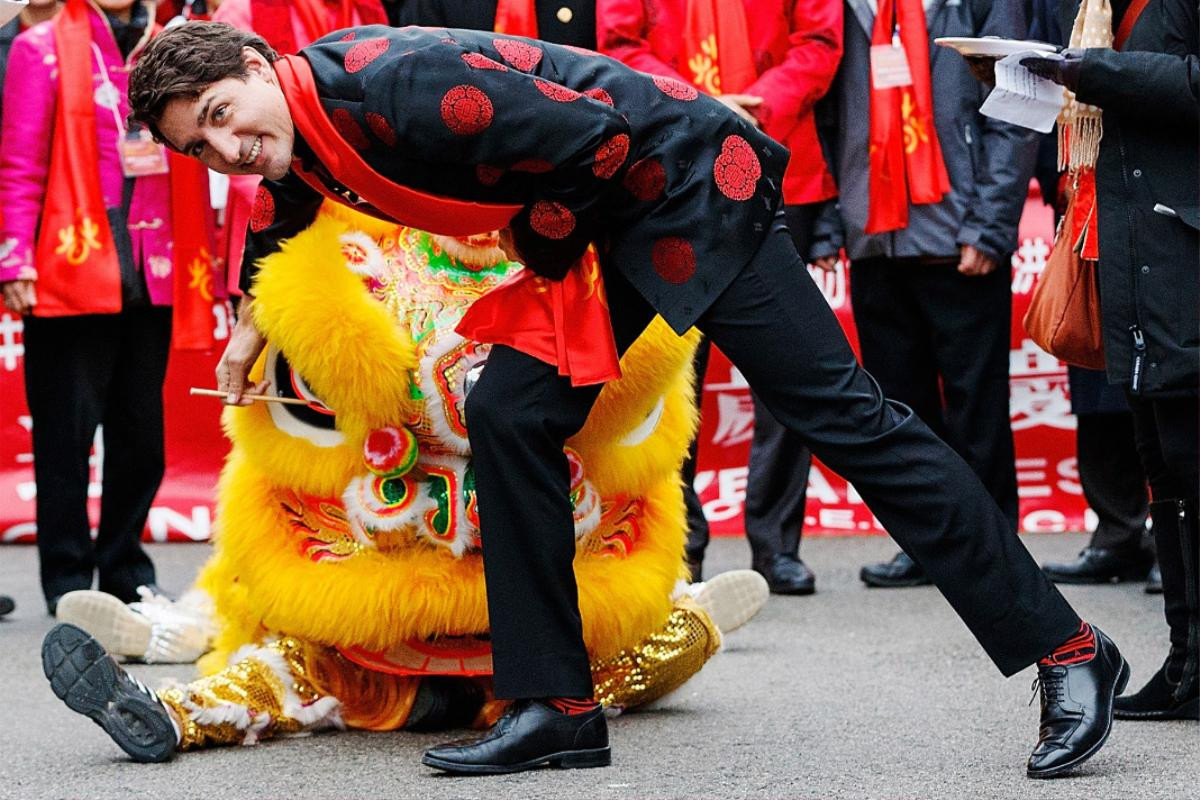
1022 98
10 8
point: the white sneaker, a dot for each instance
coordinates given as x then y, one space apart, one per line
732 598
156 629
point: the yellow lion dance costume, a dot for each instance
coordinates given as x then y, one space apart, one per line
347 575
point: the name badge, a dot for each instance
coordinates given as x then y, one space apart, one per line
141 155
889 67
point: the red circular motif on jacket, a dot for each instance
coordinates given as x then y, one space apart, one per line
601 95
350 130
263 213
611 155
646 179
349 37
480 61
380 127
673 259
466 110
555 92
677 89
521 55
487 174
363 53
552 220
533 165
737 169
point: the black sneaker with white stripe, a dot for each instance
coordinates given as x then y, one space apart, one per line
87 679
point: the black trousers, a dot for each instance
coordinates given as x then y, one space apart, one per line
776 327
777 475
1112 478
938 341
81 372
1168 441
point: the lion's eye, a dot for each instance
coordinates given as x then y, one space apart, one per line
315 421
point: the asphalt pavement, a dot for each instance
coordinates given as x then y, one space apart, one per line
850 693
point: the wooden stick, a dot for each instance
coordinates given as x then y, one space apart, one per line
265 398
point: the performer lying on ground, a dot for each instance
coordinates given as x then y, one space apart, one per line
347 579
455 132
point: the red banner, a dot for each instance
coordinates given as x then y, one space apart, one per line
1051 498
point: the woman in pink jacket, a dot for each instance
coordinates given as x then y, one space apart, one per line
87 256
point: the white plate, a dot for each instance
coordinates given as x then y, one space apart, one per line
991 46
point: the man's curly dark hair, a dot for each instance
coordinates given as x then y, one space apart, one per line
183 61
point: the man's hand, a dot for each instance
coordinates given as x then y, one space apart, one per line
974 263
233 370
509 246
1064 72
827 263
743 105
983 68
19 296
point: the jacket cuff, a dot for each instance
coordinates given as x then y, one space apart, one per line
16 262
969 235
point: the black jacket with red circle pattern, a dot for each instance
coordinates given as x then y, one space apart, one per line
676 190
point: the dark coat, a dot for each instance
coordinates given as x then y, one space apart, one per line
675 188
559 21
989 162
8 32
1147 184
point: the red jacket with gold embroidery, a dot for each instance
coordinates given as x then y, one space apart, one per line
676 190
796 46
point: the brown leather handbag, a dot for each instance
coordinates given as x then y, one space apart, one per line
1064 313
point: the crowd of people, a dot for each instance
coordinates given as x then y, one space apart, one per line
679 176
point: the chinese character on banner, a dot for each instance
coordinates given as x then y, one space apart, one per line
1038 391
1028 263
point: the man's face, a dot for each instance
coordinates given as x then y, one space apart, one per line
235 126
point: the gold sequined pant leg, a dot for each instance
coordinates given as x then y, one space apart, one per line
661 663
267 692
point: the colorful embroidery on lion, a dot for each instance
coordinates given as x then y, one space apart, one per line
347 575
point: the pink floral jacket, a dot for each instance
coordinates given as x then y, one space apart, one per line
30 94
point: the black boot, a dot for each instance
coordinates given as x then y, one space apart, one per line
1173 691
530 735
1077 708
444 702
901 571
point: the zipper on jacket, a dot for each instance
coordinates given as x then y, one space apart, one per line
1139 358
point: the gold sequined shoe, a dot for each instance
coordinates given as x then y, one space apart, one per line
732 598
86 678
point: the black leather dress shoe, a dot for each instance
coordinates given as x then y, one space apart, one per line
1102 565
901 571
530 735
1077 709
87 679
787 574
1154 581
6 605
1161 698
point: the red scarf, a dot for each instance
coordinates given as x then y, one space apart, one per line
78 269
516 18
906 158
79 272
273 19
716 46
565 323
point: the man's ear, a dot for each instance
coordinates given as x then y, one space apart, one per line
257 64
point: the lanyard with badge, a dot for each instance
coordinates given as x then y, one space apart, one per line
140 154
889 62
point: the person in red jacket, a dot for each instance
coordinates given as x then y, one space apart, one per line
770 61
